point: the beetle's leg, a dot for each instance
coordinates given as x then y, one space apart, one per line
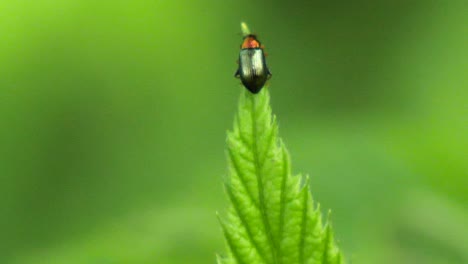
237 74
268 74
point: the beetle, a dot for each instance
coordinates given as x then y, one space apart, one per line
252 70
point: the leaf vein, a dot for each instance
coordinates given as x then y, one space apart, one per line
242 177
231 245
245 223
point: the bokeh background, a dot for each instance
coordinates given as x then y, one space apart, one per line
113 117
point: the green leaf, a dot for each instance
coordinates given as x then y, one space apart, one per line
271 218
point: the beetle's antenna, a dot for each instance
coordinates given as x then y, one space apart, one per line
245 29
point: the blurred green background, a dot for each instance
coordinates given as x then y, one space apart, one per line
113 118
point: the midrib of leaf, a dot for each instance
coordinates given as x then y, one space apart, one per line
259 174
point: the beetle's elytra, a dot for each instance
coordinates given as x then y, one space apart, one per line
252 70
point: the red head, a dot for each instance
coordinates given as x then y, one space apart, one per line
250 42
